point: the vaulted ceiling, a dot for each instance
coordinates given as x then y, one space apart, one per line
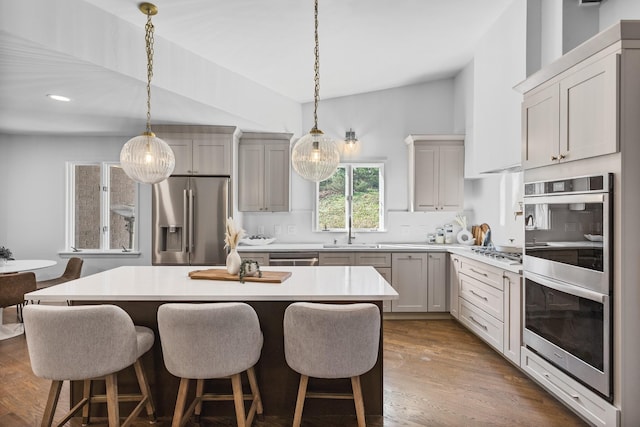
217 61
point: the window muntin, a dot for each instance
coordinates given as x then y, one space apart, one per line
101 207
356 189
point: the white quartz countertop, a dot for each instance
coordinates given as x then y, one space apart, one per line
463 250
169 283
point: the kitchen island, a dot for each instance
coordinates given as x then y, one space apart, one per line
140 290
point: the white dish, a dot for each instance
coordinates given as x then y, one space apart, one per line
593 237
257 242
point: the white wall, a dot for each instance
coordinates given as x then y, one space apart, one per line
32 198
612 11
381 120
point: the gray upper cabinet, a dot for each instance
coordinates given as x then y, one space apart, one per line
263 172
199 150
436 172
573 115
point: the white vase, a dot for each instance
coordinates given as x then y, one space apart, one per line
3 261
233 262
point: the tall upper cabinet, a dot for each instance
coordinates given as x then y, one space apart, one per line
263 172
199 150
570 109
436 172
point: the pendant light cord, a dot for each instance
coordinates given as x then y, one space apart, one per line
149 43
317 72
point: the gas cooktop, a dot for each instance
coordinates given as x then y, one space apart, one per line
490 252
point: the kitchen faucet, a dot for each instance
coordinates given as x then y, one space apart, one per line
350 207
349 235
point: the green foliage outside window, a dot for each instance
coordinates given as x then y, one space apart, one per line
364 184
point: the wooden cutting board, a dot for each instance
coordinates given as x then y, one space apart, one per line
221 274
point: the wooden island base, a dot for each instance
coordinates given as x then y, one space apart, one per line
277 382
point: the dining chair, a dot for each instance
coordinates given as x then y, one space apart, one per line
72 271
13 286
331 341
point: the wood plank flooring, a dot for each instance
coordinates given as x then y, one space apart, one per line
436 373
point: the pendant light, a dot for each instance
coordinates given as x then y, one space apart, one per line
315 156
146 158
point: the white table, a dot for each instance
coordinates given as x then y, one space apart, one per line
15 266
140 290
11 330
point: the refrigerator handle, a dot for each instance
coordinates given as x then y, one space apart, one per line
185 211
191 220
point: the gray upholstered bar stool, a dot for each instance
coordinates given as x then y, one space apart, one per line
85 343
206 341
331 341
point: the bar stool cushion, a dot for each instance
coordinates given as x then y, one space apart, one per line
331 340
212 340
74 343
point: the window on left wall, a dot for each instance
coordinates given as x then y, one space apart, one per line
101 208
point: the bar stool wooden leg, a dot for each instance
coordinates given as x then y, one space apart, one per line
199 392
52 402
238 399
86 409
145 390
251 373
180 403
302 392
357 398
113 409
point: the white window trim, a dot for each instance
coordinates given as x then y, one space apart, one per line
105 203
349 190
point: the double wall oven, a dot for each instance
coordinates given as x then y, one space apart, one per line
567 267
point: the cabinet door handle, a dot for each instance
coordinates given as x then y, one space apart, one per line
478 295
563 156
479 272
478 323
553 158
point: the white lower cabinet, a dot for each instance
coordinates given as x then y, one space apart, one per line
409 277
489 303
454 279
420 280
588 404
484 325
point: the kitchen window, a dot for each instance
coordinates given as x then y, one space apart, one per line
101 208
355 191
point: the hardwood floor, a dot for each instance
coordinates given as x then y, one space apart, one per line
436 373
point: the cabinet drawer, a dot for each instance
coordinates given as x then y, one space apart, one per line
482 324
572 393
483 272
337 258
483 296
374 259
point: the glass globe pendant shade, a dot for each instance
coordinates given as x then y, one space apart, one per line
147 159
315 156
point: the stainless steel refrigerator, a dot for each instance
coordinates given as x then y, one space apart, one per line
189 215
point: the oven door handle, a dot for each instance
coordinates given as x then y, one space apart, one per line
566 288
568 198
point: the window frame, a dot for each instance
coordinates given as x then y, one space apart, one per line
105 213
349 167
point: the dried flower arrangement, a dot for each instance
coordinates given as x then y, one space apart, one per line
233 234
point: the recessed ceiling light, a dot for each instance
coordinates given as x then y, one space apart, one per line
59 98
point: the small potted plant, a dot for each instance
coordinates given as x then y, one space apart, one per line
5 255
249 268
